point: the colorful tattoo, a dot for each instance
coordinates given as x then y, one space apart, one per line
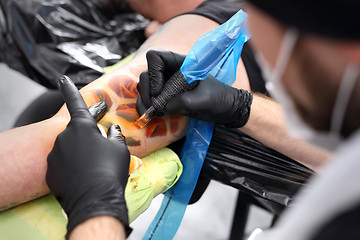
174 123
124 87
128 112
130 141
106 124
156 128
125 114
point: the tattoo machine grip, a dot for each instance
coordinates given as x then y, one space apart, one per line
176 85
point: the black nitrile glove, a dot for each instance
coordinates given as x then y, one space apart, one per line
161 66
210 101
86 172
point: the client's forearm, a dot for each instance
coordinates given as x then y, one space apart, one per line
267 125
23 161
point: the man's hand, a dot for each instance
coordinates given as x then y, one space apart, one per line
87 172
211 100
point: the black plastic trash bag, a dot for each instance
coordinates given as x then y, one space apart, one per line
44 39
236 159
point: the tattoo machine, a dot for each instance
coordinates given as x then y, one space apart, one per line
210 49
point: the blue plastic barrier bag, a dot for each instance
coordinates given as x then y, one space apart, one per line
216 47
217 53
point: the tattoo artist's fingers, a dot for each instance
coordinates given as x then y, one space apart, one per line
178 60
144 100
115 134
156 68
73 99
140 106
161 66
98 110
144 90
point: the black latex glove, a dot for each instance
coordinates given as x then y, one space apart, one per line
210 101
86 172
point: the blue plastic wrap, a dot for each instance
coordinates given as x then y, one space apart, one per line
217 53
215 47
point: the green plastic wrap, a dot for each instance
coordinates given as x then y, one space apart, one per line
43 218
153 178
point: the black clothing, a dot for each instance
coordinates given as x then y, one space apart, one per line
334 19
218 11
257 82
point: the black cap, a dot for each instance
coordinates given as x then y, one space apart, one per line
334 19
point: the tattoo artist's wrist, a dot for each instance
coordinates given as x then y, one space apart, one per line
99 227
242 106
104 198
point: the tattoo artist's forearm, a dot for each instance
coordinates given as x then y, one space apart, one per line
101 227
267 125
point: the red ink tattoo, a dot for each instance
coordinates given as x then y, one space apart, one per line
124 87
174 123
156 127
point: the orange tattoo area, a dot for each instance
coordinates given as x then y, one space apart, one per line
124 87
128 112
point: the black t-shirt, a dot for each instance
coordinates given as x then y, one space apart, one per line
220 11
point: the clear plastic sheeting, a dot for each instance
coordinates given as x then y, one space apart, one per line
238 160
44 39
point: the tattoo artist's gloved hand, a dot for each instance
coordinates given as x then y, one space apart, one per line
87 172
211 100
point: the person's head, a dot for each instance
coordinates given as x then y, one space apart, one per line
327 43
163 10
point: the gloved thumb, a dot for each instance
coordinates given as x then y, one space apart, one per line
115 134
